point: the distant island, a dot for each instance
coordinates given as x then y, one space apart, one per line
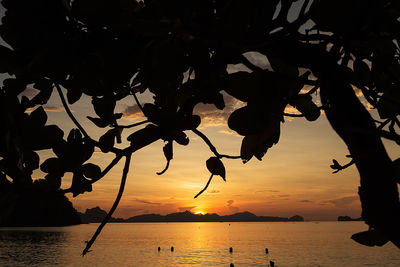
96 215
348 219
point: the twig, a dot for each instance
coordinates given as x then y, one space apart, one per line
60 93
114 206
108 168
212 147
313 90
204 189
134 124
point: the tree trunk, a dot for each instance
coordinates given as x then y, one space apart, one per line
352 122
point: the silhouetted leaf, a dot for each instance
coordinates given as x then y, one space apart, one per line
39 116
181 138
46 88
216 167
91 170
104 107
80 185
246 120
144 136
98 122
304 104
73 95
7 60
31 160
370 238
258 144
15 86
336 165
52 165
106 141
167 149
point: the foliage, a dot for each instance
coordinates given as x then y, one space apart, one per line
179 51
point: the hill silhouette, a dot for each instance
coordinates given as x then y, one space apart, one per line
96 214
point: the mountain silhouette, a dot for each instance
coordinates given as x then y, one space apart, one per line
96 215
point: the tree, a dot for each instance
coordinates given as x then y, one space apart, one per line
179 51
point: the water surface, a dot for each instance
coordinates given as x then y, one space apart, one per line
196 244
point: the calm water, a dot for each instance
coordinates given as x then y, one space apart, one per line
196 244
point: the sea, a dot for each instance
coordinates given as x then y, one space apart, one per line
195 244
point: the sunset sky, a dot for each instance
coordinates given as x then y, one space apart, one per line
293 178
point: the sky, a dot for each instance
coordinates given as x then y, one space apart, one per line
294 176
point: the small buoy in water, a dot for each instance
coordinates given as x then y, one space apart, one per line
266 251
172 248
158 248
271 263
230 249
232 265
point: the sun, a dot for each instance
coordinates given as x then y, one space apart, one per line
201 212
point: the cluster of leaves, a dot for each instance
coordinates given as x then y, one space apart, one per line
179 51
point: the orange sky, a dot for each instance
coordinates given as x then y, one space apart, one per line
293 178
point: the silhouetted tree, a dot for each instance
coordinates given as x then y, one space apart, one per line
179 51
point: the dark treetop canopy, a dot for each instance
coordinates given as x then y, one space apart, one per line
179 51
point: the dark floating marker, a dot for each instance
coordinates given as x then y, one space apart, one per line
232 265
158 248
230 249
266 251
172 248
271 263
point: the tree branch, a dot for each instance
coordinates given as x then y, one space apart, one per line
204 189
64 102
133 125
114 206
212 147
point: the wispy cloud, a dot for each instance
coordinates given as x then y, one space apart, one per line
305 201
48 109
146 201
343 201
231 207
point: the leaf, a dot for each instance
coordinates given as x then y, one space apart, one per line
14 86
46 89
246 120
168 152
31 160
91 170
104 107
39 116
52 165
216 167
74 137
336 165
304 104
370 238
73 95
106 141
145 136
181 138
80 185
98 122
258 144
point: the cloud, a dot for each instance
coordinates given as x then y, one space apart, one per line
48 109
186 208
146 201
305 201
343 201
211 116
132 113
267 190
230 202
229 132
214 192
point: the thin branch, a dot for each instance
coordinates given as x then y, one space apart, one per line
114 206
64 102
134 124
304 7
108 168
337 167
382 124
204 189
313 90
212 147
